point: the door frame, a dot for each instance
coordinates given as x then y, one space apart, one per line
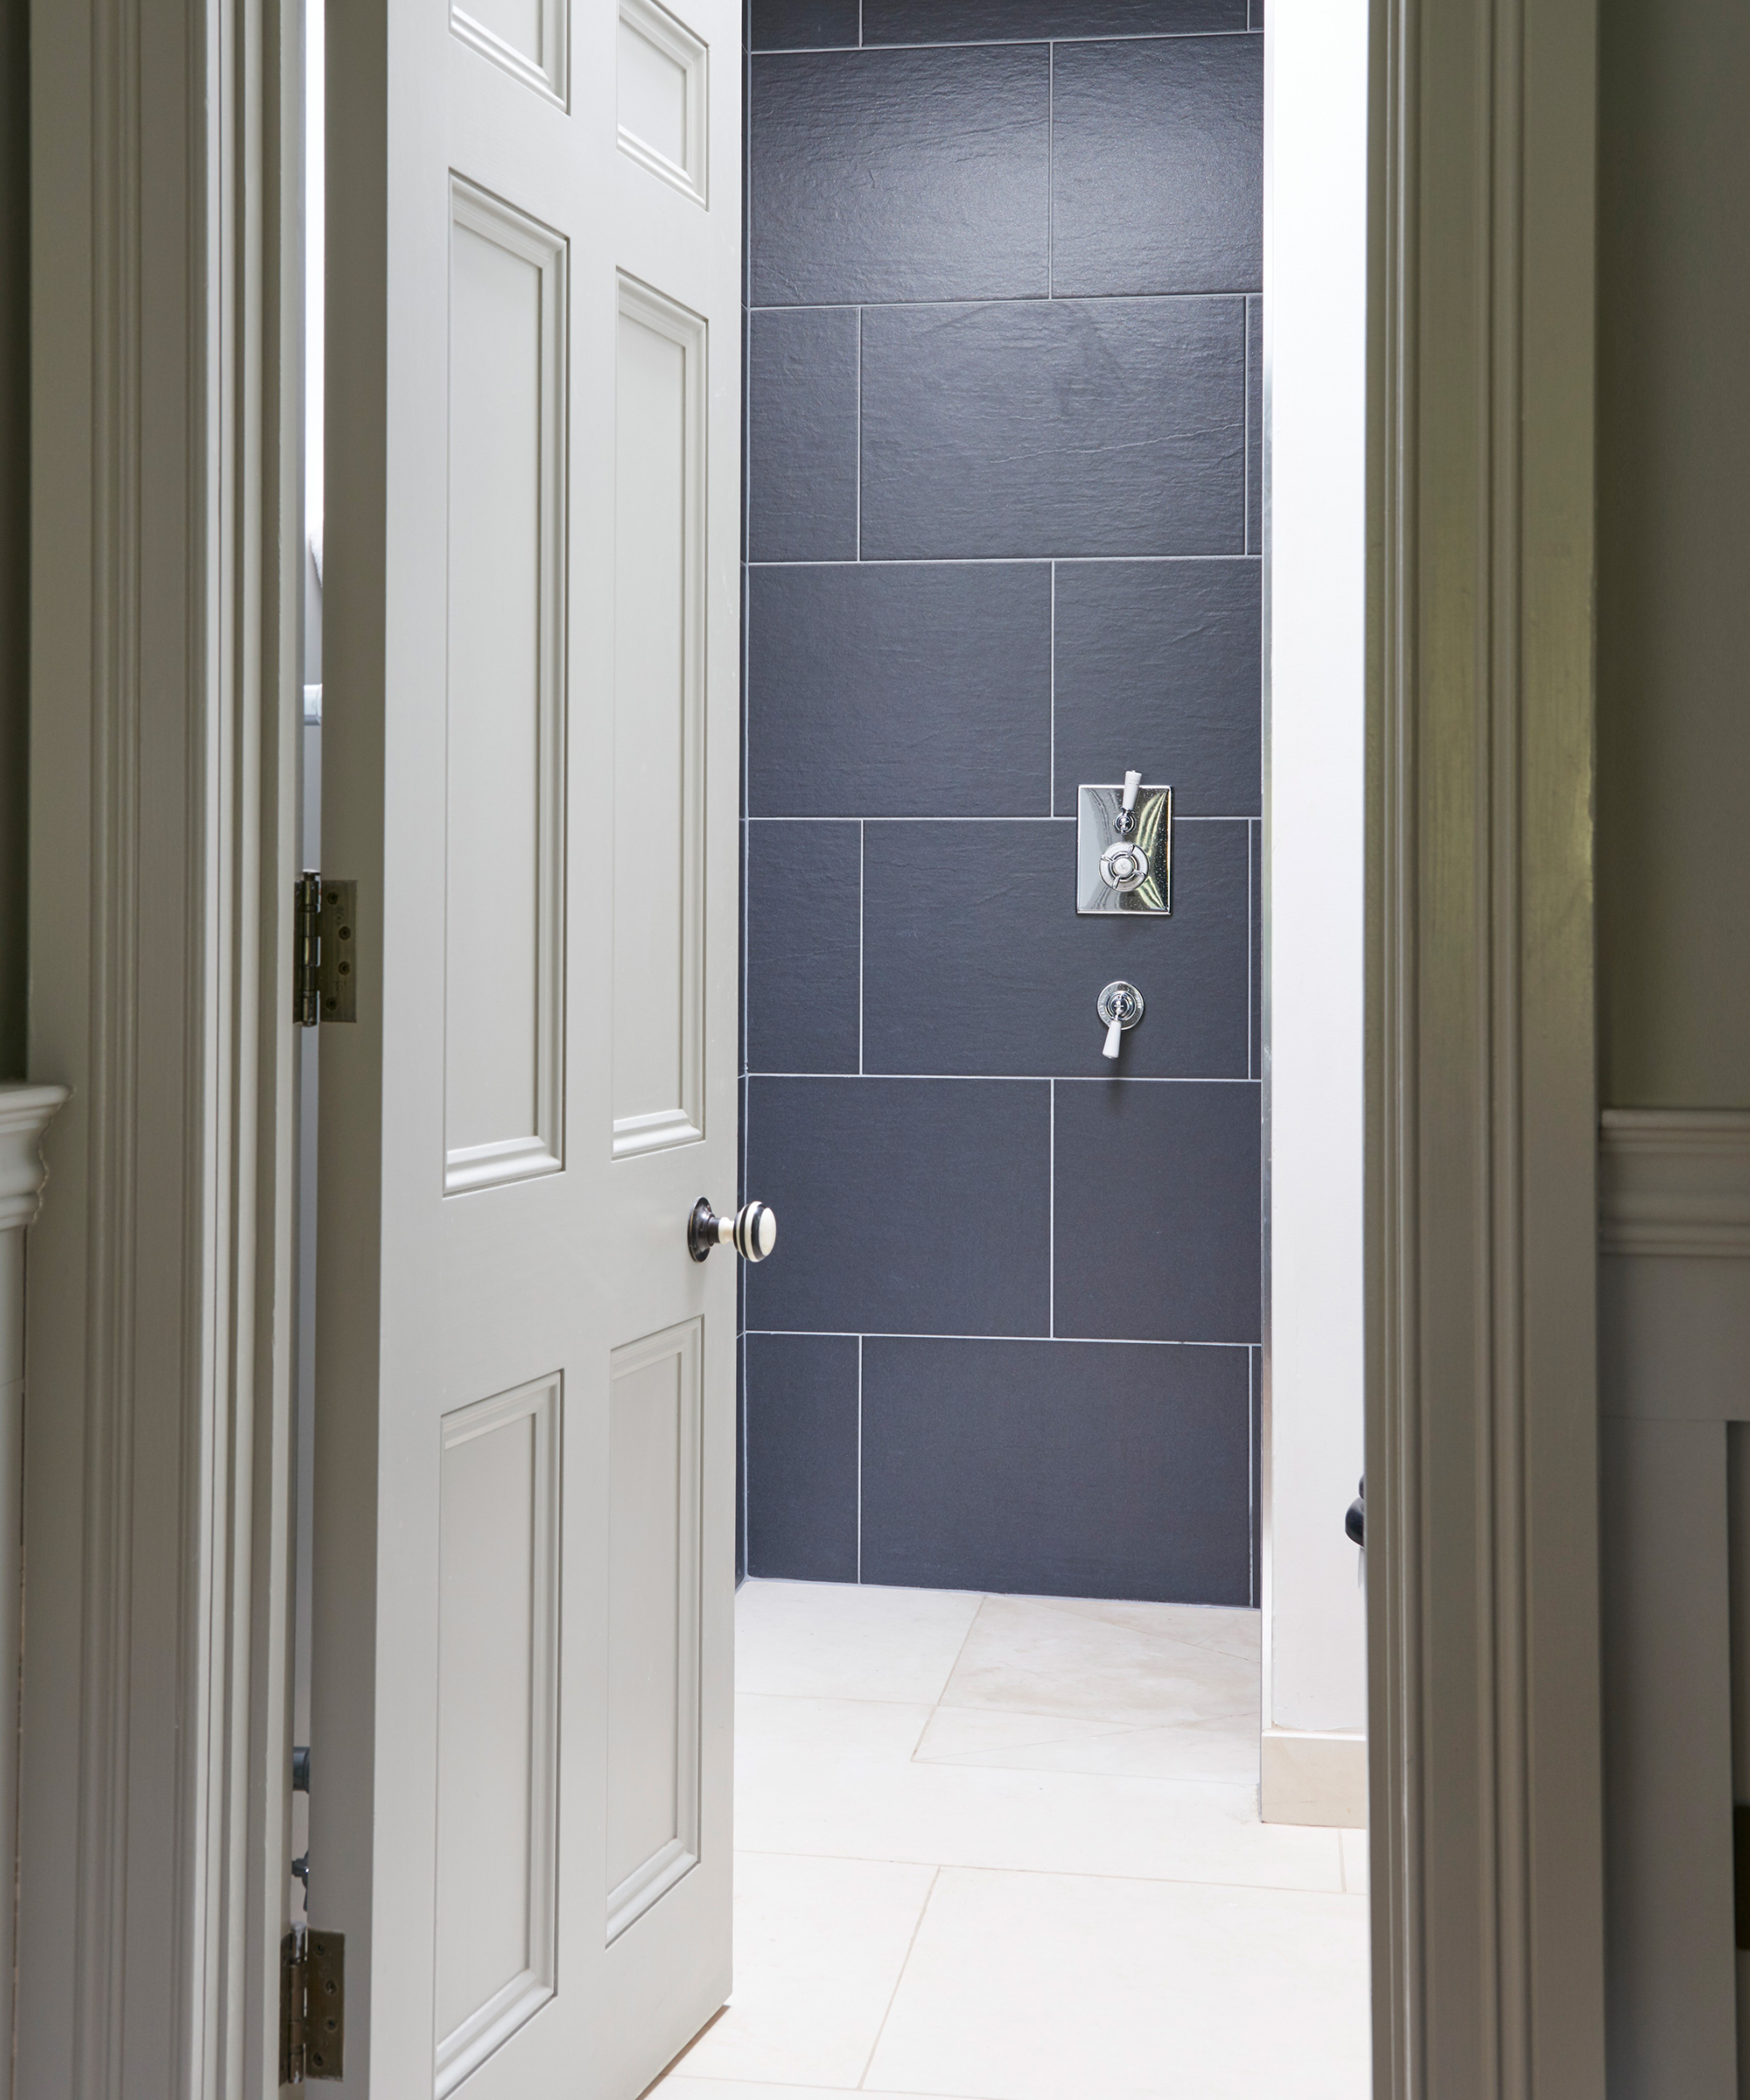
1485 1779
165 706
166 307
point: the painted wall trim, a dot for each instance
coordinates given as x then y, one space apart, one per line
25 1113
1675 1181
1313 1775
1483 1647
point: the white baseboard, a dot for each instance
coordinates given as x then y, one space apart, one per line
1313 1775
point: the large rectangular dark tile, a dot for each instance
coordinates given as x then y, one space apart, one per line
1156 1210
1255 431
1160 665
1059 427
802 1457
975 961
1157 164
802 436
804 946
988 21
1058 1469
899 175
904 1206
802 25
904 691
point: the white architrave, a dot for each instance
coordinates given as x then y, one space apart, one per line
1482 1436
163 592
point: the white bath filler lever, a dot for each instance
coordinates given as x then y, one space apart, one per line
1120 1005
1126 822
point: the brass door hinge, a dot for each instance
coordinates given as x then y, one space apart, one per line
325 950
312 2005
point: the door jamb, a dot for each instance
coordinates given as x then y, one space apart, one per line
166 308
1482 1441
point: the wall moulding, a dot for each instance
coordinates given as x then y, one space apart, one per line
1675 1181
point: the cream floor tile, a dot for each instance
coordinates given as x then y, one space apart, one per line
819 1945
1059 1987
824 1639
1355 1862
680 2087
836 1776
1223 1748
1122 1661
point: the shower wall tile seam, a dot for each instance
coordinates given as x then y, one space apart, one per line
1066 1341
1242 293
1145 36
1004 561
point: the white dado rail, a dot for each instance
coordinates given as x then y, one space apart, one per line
1674 1376
25 1113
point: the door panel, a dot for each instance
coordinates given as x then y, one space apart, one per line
498 1721
658 723
504 875
521 1727
652 1708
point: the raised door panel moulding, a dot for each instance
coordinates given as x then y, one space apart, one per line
659 721
530 38
656 1424
1675 1181
664 104
498 1723
504 999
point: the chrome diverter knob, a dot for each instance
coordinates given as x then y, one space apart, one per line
752 1231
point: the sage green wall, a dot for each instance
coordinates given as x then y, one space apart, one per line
1674 554
15 433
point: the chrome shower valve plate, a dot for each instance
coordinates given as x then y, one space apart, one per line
1124 866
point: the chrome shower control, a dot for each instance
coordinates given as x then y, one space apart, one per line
1120 1006
752 1231
1123 848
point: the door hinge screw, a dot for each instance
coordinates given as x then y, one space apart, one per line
325 950
312 2005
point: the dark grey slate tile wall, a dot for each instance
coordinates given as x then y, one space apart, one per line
1002 529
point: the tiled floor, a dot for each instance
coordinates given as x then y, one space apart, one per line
1007 1848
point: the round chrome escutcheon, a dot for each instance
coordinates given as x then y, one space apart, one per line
1124 866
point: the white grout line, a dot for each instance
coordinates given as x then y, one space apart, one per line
1051 1225
1167 36
1005 561
859 1457
860 911
900 1978
1082 1873
1065 819
1050 152
859 432
1053 689
1095 1341
1015 1078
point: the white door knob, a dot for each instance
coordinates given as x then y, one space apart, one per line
752 1231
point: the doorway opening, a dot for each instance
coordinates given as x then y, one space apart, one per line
1049 1658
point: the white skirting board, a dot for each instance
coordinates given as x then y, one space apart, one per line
1313 1775
1674 1373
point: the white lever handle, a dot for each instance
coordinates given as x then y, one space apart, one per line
1113 1035
1132 781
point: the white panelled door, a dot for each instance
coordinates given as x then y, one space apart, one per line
520 1807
